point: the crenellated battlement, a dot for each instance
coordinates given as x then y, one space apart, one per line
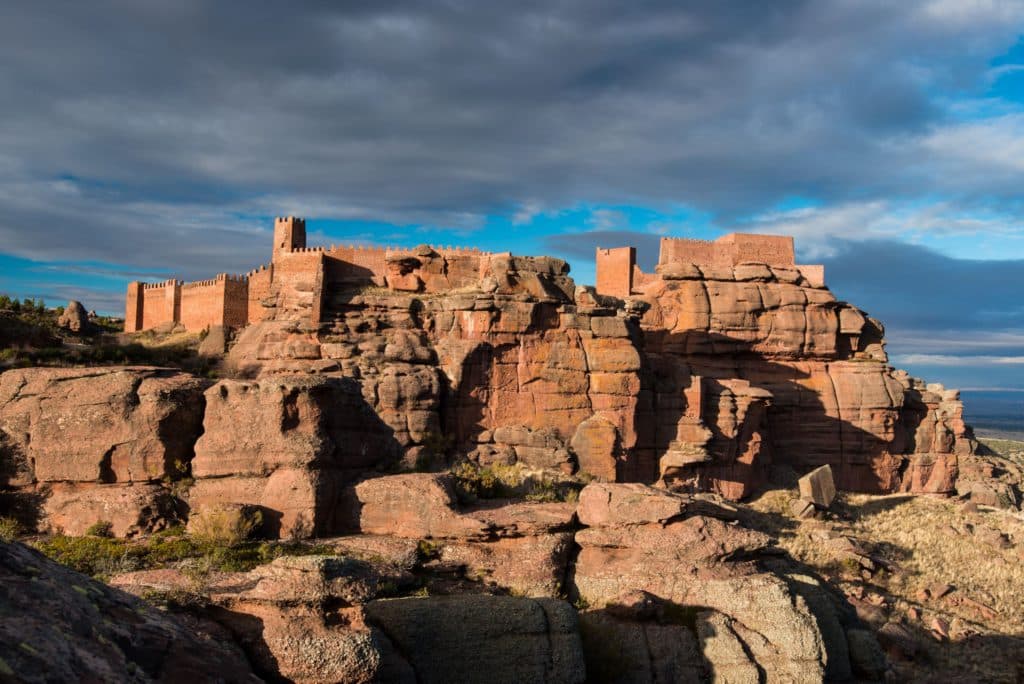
161 285
296 268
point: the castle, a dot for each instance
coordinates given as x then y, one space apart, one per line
297 276
300 277
618 274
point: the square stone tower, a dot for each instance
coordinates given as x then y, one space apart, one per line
289 234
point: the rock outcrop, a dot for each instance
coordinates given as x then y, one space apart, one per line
74 317
707 378
59 626
99 443
321 618
288 445
669 588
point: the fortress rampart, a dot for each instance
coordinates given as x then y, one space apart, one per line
298 277
619 276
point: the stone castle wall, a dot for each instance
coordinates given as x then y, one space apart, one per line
619 276
297 280
160 303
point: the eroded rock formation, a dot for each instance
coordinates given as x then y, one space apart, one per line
706 377
667 587
99 443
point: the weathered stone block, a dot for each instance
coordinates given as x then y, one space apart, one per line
818 487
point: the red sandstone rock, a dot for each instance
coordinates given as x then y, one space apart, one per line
628 504
131 509
596 445
527 566
433 634
74 317
419 505
99 424
818 487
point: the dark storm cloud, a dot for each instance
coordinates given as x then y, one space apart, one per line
919 289
153 133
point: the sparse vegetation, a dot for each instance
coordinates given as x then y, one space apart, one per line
225 526
10 529
474 482
103 557
30 336
101 528
925 542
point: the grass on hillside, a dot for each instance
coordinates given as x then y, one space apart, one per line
30 336
928 542
102 556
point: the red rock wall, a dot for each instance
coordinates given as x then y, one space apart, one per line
729 373
97 444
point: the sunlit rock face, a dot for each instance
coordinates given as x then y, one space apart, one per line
706 376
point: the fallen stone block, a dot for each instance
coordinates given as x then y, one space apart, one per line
818 487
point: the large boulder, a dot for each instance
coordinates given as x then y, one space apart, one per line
673 549
490 639
300 618
74 317
131 509
99 424
417 506
287 444
57 625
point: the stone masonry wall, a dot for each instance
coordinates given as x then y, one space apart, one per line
615 270
160 303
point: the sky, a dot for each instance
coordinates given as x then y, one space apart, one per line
142 140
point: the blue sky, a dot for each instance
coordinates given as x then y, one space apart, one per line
148 140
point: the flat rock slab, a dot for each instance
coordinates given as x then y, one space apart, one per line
512 639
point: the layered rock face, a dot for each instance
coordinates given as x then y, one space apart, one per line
99 444
520 368
287 445
785 374
707 378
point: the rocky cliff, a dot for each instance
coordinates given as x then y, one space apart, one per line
341 413
709 378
